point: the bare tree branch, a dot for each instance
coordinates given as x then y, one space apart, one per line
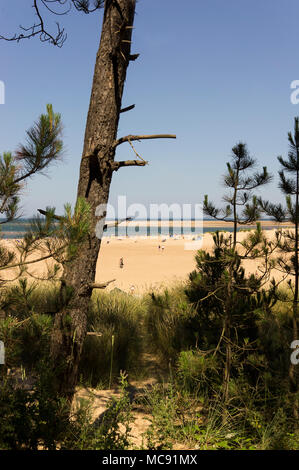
129 138
117 222
128 108
117 165
133 57
38 28
103 285
37 260
54 216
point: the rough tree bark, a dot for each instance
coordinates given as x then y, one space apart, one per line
97 166
94 182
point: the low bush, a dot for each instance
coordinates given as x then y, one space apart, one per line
197 371
27 342
38 419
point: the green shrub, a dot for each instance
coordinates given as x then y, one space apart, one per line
17 300
24 299
197 371
30 419
38 419
27 342
11 340
175 415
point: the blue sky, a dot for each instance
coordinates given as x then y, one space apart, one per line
213 72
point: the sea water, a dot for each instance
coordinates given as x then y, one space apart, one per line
18 228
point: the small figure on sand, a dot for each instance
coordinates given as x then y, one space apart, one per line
159 247
121 263
132 289
162 248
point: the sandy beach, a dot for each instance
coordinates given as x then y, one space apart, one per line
148 267
145 265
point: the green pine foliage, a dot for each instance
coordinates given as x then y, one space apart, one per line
242 205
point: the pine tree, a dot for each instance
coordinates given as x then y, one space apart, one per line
287 240
241 185
226 299
48 237
43 147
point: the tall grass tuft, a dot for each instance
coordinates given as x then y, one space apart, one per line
170 323
115 315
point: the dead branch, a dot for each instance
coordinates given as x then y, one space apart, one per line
133 57
38 28
117 222
117 165
54 216
128 108
135 151
103 285
129 138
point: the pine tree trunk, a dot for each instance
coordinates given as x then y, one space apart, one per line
228 357
228 346
228 318
293 372
235 208
94 183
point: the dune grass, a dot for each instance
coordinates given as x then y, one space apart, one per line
165 324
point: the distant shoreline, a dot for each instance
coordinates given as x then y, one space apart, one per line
200 223
156 228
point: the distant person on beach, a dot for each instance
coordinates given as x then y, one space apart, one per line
132 289
162 247
121 263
